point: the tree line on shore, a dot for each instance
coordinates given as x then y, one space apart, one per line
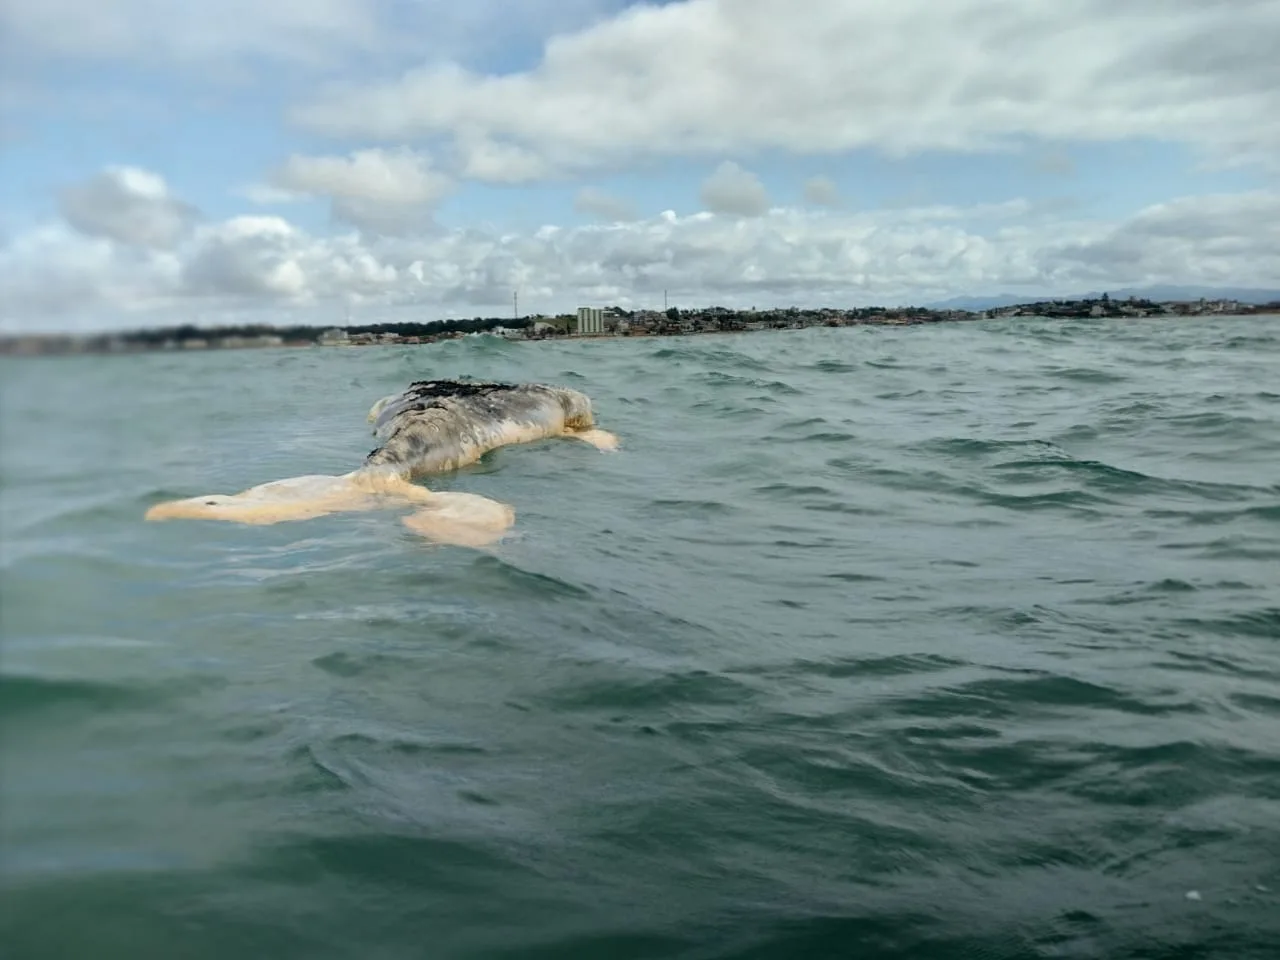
298 333
672 319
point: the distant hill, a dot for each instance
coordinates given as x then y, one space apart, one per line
1156 293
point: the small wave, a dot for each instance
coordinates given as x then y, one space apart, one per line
974 448
1251 343
28 693
711 357
480 345
688 508
1223 664
1041 693
894 665
1171 585
1137 413
372 665
729 409
822 436
1240 547
1095 473
1213 423
1047 459
691 687
405 744
1263 623
1087 375
316 772
499 571
1176 770
851 509
79 641
1077 433
867 471
1074 500
787 490
780 387
394 859
1269 513
1256 703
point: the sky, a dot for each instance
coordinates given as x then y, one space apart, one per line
284 161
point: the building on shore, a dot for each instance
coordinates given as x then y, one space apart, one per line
590 321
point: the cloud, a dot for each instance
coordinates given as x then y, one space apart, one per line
143 30
129 205
54 277
264 195
735 191
491 161
249 262
382 190
707 77
821 192
321 35
1055 162
1208 240
266 268
246 257
603 206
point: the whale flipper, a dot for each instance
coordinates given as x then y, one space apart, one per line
600 439
464 519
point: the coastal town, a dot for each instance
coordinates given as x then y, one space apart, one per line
604 322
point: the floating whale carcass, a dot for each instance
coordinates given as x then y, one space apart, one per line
432 427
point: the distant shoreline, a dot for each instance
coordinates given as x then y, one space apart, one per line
617 323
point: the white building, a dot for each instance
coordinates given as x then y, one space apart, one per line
590 320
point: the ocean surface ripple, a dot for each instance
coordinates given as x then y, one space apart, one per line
935 642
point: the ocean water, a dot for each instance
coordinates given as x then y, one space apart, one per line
936 642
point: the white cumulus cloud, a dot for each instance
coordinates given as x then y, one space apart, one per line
494 161
318 34
129 205
1228 239
821 192
267 268
733 190
383 176
604 206
721 77
375 189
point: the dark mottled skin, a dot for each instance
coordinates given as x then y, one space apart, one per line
426 425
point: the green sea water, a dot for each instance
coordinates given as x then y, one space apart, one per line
958 641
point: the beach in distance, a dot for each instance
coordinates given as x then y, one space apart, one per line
914 641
